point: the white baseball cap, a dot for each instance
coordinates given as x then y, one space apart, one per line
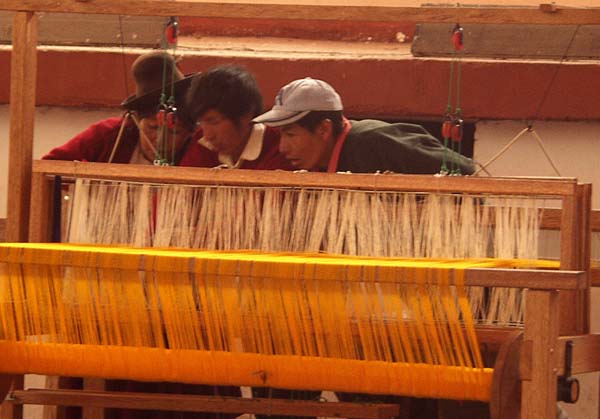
296 99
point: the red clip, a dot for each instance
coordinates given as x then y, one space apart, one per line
457 130
172 31
172 118
161 117
457 37
447 128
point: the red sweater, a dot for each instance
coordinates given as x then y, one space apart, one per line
96 143
269 158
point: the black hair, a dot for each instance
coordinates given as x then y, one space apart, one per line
311 120
229 89
183 113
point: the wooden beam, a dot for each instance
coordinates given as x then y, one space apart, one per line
93 412
505 401
585 354
77 29
572 322
10 410
484 277
193 403
538 42
376 11
269 178
2 229
551 219
41 209
22 112
539 355
585 254
527 278
595 276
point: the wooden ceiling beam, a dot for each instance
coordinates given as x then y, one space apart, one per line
376 11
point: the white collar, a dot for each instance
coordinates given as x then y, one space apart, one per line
250 152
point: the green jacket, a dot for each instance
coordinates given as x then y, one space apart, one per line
373 146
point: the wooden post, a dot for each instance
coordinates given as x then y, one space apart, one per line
538 355
22 113
23 77
9 410
40 210
585 217
571 322
93 412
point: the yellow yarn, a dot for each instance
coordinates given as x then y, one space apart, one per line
298 321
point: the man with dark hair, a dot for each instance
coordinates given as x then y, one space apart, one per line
223 101
316 136
140 137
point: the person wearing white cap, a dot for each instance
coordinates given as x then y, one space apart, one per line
316 136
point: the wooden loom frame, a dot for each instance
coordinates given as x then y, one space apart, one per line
25 35
574 219
539 358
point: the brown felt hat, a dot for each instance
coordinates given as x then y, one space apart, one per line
150 71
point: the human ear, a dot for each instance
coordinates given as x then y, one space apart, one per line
325 129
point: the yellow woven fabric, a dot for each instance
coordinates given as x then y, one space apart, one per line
298 321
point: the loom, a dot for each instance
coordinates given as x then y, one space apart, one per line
511 366
382 326
532 359
308 218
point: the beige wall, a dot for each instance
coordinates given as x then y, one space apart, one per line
53 126
572 146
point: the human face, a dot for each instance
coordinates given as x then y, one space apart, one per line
223 134
303 148
151 130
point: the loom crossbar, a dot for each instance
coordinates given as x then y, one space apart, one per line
557 187
357 11
194 403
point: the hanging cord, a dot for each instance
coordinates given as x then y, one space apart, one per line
122 41
126 117
529 127
447 124
127 114
498 154
452 126
556 70
514 140
541 143
172 109
161 117
167 110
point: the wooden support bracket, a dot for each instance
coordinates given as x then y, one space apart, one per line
193 403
